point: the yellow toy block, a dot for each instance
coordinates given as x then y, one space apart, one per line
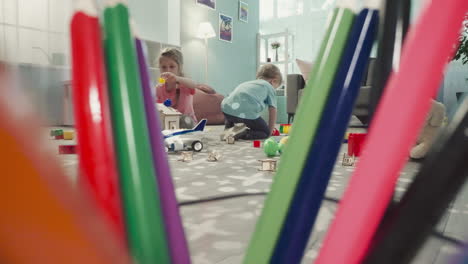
346 136
68 135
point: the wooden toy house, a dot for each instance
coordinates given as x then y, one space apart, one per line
170 117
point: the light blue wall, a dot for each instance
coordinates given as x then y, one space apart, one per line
456 74
456 80
151 17
229 63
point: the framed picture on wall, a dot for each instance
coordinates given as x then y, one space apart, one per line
208 3
243 11
225 27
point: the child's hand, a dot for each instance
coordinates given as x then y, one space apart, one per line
169 77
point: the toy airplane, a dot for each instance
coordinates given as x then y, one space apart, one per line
184 139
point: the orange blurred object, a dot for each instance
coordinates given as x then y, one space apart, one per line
43 218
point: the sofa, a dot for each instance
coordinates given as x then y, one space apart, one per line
295 86
208 106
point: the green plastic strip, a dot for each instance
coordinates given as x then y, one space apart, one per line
143 216
305 125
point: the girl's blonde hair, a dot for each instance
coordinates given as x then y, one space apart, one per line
268 72
175 55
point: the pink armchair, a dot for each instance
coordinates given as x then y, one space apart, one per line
208 106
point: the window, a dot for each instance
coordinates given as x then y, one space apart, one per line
299 7
35 32
271 9
321 5
266 9
285 8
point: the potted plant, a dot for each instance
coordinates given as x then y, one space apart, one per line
462 51
276 45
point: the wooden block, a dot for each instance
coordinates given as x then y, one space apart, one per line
268 165
230 140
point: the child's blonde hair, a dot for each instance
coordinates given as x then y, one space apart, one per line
268 72
175 55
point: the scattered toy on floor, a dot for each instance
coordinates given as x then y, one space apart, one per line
56 134
186 156
284 140
185 139
355 143
235 131
348 160
68 135
257 143
268 165
275 132
270 147
213 156
231 139
285 128
282 144
67 149
59 134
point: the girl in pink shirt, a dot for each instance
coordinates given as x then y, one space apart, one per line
177 88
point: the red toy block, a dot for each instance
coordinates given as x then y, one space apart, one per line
256 143
275 132
67 149
59 137
351 144
355 143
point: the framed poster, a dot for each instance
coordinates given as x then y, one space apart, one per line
243 11
208 3
225 27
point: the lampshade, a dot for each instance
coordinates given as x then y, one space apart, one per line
205 30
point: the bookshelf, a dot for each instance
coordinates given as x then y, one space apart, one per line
266 54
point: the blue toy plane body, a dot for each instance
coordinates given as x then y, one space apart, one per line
179 132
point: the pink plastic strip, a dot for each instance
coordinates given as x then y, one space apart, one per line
399 117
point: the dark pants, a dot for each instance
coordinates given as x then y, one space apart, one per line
258 127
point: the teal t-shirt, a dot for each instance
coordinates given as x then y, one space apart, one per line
249 99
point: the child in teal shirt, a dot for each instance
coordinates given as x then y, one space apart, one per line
247 102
